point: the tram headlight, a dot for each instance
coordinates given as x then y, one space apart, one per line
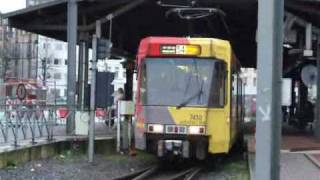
155 128
197 130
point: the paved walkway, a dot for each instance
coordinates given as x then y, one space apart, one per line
300 157
294 166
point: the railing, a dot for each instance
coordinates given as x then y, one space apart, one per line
21 123
31 117
39 118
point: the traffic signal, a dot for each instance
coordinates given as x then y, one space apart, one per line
103 48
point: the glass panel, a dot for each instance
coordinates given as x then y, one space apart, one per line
183 82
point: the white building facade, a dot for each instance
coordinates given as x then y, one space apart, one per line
114 66
52 62
249 78
52 66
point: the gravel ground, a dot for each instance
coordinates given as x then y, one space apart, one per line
231 167
74 166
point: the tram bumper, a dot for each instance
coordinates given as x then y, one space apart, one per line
175 147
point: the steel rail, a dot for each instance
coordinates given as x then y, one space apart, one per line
147 173
193 174
188 174
134 174
155 172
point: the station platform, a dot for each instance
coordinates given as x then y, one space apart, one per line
300 157
43 148
102 132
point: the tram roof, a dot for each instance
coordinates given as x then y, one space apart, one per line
148 19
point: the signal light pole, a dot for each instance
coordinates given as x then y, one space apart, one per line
101 49
93 91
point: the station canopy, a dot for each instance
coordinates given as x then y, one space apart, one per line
136 19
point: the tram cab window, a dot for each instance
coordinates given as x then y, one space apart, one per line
193 82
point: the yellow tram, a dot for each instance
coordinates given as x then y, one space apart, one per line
189 97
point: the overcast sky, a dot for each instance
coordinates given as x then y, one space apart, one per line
11 5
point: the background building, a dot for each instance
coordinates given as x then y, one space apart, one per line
2 67
36 2
52 62
18 53
52 66
249 78
29 56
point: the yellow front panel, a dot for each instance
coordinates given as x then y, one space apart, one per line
218 131
189 116
215 48
218 120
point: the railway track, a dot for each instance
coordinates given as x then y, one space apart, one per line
163 173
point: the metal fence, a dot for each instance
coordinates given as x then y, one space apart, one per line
21 123
30 118
42 115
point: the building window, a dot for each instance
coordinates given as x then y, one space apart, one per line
245 81
48 60
56 61
66 62
57 76
124 74
59 46
56 92
46 45
254 82
49 76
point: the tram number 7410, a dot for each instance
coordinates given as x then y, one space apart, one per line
195 117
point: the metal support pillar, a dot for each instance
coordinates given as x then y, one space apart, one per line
126 134
86 79
29 56
81 75
93 92
16 55
293 98
268 134
317 120
302 97
72 62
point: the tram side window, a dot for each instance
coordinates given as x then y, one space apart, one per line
222 84
218 91
234 107
143 83
240 101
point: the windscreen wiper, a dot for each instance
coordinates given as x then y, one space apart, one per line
198 94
